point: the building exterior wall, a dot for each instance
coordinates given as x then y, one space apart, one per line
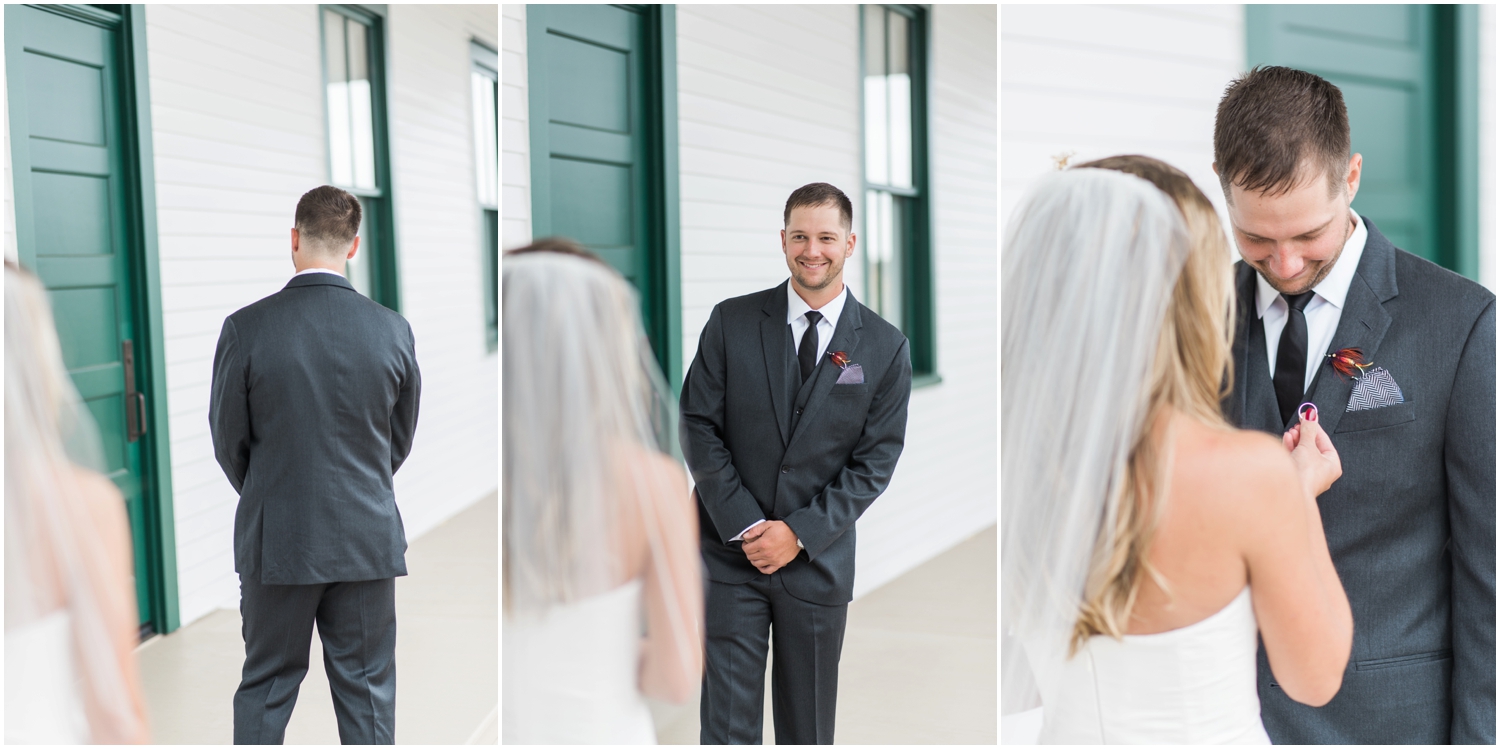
1487 146
237 113
768 100
515 141
1104 80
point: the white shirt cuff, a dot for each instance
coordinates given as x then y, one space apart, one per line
741 537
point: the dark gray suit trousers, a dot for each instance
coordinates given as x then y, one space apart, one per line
357 623
804 672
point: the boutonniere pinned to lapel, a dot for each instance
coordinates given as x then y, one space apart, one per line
1374 388
852 373
1348 361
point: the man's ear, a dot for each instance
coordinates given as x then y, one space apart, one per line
353 248
849 250
1215 165
1356 165
295 240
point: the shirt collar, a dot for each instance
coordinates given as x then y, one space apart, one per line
316 270
796 306
1334 288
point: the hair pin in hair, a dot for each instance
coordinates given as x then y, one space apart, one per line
1060 161
1349 362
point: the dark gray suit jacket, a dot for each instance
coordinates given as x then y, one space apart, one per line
313 408
761 447
1411 524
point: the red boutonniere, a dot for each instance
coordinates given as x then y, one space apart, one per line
840 358
1349 362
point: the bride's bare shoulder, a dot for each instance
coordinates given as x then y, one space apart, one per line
1235 460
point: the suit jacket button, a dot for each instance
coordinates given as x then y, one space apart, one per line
799 412
786 469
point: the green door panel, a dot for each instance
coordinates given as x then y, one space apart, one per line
79 242
602 101
1389 62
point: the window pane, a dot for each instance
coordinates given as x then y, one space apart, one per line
885 251
336 59
877 138
898 81
362 129
358 269
486 139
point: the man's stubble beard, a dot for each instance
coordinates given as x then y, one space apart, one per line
833 275
1317 277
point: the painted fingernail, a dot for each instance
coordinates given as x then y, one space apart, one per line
1309 411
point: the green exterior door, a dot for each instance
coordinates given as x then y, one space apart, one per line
77 239
599 147
1405 82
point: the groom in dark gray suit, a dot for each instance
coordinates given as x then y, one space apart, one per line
1411 524
313 409
793 417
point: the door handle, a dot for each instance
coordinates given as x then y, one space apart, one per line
135 402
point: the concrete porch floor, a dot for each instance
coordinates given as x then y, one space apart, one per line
919 660
447 664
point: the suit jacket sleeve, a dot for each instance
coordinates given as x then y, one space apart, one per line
870 465
404 415
1469 455
229 408
728 503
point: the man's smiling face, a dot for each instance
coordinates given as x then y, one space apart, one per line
816 243
1294 239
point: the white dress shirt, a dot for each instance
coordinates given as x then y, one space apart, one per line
796 316
1322 311
316 270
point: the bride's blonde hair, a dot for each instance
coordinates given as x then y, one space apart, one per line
1190 373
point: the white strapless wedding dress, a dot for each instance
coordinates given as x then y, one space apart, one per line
42 701
1194 685
571 675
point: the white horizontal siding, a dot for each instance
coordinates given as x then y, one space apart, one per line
945 487
455 460
767 101
1106 80
237 111
515 138
229 171
11 252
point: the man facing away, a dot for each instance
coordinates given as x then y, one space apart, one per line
312 411
1411 524
793 417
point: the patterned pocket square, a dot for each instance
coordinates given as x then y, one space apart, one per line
1376 389
852 375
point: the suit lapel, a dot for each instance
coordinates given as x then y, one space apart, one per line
1240 350
846 339
773 341
1362 324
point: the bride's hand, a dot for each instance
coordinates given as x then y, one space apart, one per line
1318 464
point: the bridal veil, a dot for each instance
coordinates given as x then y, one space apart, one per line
583 401
53 556
1088 266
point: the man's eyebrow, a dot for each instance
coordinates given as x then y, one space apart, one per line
1309 233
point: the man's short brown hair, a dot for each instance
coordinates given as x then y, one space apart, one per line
327 220
816 194
1271 121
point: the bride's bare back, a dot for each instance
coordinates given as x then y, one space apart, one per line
1237 513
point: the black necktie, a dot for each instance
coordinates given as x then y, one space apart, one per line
807 350
1291 356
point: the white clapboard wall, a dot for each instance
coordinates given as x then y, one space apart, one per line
237 114
1106 80
768 100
